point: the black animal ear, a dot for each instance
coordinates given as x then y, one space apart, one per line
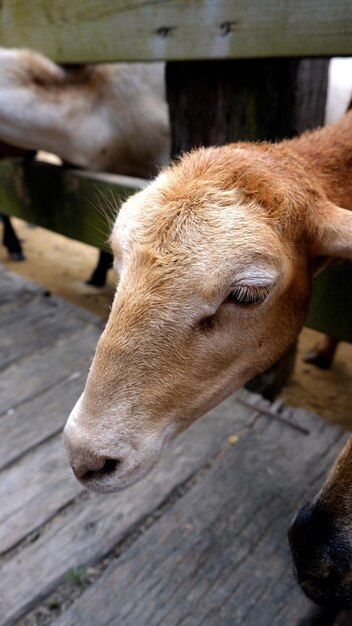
334 233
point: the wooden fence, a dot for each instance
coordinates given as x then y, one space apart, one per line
175 30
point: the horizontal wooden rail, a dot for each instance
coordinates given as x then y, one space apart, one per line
141 30
73 203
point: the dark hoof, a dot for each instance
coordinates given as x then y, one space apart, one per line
98 278
17 256
96 282
319 359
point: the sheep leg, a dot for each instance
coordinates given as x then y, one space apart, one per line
11 241
323 352
98 278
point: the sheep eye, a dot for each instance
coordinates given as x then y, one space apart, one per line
246 296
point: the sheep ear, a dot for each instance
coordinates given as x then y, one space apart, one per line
334 233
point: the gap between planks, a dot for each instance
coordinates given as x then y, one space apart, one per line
220 554
90 528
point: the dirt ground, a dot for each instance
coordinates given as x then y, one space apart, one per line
62 265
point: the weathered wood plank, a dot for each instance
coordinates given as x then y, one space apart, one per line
220 555
43 416
312 83
331 304
36 373
14 291
90 528
133 30
35 325
251 100
65 201
33 490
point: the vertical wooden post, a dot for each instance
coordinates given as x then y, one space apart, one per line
216 102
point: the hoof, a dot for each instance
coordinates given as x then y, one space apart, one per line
95 282
17 256
319 359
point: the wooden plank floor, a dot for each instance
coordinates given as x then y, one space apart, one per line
202 540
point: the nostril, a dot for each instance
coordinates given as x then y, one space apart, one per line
108 467
313 578
326 577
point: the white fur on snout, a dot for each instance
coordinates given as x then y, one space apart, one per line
136 452
74 413
142 457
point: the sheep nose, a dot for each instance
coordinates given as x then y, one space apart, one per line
319 574
93 467
86 463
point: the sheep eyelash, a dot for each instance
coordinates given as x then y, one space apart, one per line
248 295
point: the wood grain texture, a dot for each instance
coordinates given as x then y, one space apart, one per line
139 30
43 342
35 374
33 326
312 85
247 100
91 527
220 555
35 420
33 491
15 291
66 201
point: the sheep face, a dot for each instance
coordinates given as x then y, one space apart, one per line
215 260
208 296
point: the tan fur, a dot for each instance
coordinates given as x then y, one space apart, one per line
218 219
110 117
